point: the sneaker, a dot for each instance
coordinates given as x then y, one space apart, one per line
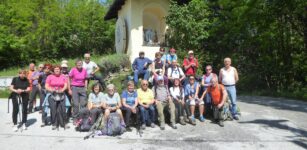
202 118
152 125
24 127
162 126
66 126
173 126
192 120
181 121
43 124
53 127
235 117
221 123
143 126
15 128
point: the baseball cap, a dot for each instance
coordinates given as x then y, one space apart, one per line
191 52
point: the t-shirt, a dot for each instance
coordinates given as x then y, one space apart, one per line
216 93
175 92
96 99
56 82
34 75
160 92
171 57
130 97
145 96
89 67
191 70
174 72
20 83
78 78
207 79
112 100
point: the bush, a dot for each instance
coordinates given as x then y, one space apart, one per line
114 63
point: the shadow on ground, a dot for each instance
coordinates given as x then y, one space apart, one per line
281 124
277 103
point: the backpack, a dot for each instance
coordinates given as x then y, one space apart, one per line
113 126
84 123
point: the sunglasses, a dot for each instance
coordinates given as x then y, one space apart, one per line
144 84
208 69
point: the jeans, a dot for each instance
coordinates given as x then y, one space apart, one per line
231 91
147 114
138 73
35 91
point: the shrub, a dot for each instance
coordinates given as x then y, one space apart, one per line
114 63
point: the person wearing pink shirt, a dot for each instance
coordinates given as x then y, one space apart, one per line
78 77
56 84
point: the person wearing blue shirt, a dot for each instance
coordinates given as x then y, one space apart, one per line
140 67
130 103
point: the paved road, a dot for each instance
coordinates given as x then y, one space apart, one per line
266 123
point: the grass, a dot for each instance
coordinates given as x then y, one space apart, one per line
71 63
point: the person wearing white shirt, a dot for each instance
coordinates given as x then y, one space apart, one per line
175 72
177 94
91 69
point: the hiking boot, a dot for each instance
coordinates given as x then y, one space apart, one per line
173 125
235 117
143 126
186 119
202 118
181 121
152 125
128 129
162 126
43 124
24 127
15 128
221 123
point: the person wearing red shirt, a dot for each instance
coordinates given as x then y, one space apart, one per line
190 65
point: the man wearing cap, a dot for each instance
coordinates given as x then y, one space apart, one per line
164 101
190 65
36 89
140 67
91 69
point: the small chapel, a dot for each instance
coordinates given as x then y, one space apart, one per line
140 25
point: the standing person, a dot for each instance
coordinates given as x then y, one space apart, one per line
190 66
164 101
140 67
20 87
177 93
29 76
130 103
65 72
91 69
205 83
146 105
191 93
36 89
78 84
56 84
219 95
42 82
228 76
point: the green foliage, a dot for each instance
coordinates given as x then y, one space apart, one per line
114 63
38 30
267 40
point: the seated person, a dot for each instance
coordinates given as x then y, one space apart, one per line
191 95
177 94
111 103
129 101
171 57
146 105
175 72
140 67
163 100
95 103
219 95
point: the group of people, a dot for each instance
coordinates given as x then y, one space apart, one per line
174 89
